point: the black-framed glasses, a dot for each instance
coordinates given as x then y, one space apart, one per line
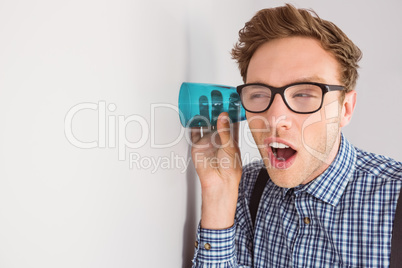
301 98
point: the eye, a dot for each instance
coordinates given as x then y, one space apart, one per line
303 95
306 93
255 93
259 95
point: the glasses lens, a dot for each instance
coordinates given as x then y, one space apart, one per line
304 98
255 98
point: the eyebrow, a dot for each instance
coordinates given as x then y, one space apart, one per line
314 78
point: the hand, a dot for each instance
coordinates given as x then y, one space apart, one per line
217 160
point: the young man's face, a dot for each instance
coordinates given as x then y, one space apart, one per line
313 138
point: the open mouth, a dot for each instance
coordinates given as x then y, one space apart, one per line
282 156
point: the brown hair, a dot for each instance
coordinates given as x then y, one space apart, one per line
288 21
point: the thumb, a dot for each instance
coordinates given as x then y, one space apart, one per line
225 130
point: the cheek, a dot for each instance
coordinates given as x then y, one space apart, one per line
314 129
258 125
320 128
255 121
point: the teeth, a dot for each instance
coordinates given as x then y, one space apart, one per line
278 145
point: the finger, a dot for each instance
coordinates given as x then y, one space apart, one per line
235 132
228 128
217 105
195 134
234 107
224 129
204 108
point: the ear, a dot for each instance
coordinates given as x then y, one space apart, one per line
348 107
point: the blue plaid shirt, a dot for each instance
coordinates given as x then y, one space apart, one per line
343 218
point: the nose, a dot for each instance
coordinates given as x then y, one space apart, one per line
279 116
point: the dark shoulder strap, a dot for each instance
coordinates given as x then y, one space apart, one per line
396 244
257 193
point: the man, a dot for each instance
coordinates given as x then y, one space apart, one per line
326 203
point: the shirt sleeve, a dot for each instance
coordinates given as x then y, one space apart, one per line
215 248
232 247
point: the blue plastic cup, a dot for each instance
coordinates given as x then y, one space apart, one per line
200 104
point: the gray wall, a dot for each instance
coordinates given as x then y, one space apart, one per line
88 87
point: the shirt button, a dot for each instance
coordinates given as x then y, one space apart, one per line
307 220
207 246
196 244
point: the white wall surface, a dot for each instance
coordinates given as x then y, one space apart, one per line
66 206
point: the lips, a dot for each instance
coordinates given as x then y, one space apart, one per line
280 152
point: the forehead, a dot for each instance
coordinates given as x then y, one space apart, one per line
283 61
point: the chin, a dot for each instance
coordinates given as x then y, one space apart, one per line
283 181
282 177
